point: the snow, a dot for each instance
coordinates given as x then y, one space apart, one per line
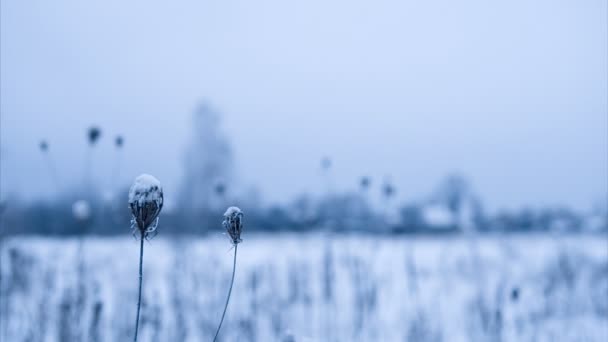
233 211
146 188
437 216
308 287
81 210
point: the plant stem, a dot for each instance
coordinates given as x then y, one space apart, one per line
228 298
141 258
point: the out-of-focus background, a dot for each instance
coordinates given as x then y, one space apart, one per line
418 171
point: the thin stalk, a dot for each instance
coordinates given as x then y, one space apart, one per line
116 172
53 171
80 295
228 298
141 258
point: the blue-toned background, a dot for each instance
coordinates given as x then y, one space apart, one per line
408 170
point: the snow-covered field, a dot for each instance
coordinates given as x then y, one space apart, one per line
308 288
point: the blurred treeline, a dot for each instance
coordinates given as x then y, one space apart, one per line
452 207
345 212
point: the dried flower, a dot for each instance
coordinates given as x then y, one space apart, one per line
233 223
44 146
94 133
220 188
146 202
365 182
388 189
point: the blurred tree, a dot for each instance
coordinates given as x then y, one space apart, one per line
452 193
456 195
208 160
412 220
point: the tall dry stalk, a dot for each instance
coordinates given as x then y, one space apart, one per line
141 278
233 223
146 202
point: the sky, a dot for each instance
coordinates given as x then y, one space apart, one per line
512 94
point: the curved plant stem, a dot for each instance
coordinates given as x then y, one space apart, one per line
141 258
228 298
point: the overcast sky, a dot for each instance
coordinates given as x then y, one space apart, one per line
511 93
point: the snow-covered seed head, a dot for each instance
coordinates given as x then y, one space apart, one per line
145 201
81 210
233 223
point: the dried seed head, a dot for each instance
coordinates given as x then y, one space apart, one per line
220 188
44 146
365 182
119 141
233 223
145 201
94 133
388 189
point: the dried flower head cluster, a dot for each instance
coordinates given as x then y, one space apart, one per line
146 202
233 223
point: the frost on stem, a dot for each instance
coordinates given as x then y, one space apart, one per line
146 202
233 223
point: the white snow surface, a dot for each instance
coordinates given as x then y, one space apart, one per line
146 188
437 216
308 287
